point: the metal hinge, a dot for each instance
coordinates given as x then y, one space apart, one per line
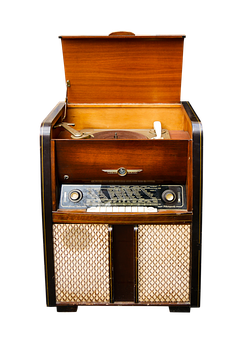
68 84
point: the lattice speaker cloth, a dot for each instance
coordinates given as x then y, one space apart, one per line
164 263
81 259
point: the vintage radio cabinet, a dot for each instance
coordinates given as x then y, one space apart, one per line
121 177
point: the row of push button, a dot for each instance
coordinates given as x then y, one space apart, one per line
122 209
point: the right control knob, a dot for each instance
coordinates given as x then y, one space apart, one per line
168 196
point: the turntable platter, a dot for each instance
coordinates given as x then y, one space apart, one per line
118 134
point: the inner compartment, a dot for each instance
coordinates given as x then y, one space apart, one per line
137 116
161 161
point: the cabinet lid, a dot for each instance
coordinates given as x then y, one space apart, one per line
123 68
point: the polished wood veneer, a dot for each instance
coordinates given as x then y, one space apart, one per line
159 160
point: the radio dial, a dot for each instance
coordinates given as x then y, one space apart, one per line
168 196
75 196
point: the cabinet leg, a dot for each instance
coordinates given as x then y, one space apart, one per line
179 309
67 308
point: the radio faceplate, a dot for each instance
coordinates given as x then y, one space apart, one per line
158 197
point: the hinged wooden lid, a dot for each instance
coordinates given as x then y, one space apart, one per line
123 68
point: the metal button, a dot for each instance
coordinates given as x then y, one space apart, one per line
168 196
74 195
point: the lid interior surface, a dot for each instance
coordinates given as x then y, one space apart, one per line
128 69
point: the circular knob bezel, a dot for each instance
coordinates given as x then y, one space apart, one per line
122 171
165 193
79 197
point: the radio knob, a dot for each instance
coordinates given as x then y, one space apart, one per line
75 195
168 196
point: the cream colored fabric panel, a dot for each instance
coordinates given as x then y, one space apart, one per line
164 263
81 260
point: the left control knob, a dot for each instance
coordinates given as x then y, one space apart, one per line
75 195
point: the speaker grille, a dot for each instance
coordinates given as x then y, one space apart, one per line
81 259
164 263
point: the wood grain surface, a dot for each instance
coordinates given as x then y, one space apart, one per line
84 160
123 69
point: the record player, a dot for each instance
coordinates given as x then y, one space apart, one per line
121 177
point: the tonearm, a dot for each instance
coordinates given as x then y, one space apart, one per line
74 133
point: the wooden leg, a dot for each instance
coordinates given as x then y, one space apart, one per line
67 308
179 309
